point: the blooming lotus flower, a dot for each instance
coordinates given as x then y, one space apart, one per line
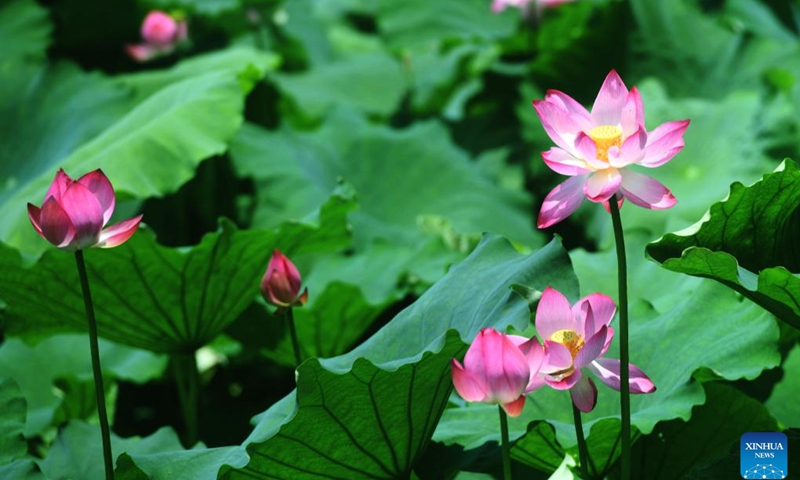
281 283
525 5
161 34
499 369
74 213
596 148
575 339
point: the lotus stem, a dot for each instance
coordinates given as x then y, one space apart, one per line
583 452
298 357
504 444
188 381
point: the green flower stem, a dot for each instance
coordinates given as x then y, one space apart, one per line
188 380
583 452
624 372
504 444
298 357
105 431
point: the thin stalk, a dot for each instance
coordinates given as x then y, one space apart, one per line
583 452
504 444
298 357
105 431
625 388
188 381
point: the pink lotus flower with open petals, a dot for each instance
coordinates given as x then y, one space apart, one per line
281 283
161 33
74 213
596 148
576 338
499 369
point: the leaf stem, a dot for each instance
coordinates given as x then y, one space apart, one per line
105 431
298 357
583 452
504 444
187 379
624 369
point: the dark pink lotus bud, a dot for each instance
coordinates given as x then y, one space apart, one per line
161 33
281 283
74 213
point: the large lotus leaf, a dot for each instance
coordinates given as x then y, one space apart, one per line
158 298
783 402
747 242
460 301
36 368
149 151
24 469
196 464
413 23
12 421
670 347
675 448
374 83
24 32
399 175
356 424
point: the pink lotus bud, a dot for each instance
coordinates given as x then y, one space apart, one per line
281 283
74 213
159 29
499 369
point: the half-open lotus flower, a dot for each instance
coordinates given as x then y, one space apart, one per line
575 340
74 213
595 150
499 369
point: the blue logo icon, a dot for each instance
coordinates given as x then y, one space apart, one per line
764 455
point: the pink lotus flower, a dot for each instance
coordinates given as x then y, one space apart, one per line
161 34
499 369
577 337
74 213
596 148
281 283
525 5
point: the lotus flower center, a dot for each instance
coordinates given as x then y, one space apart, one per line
570 339
605 137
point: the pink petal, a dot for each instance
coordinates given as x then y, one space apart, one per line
55 224
587 150
592 349
98 184
572 107
594 311
566 382
514 409
85 213
584 395
632 150
142 52
281 282
553 313
609 337
560 125
607 108
632 115
645 191
607 370
557 358
119 233
159 28
34 213
602 184
495 362
663 143
466 385
563 162
534 354
561 201
59 185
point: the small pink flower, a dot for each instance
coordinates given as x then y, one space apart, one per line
161 34
74 213
525 5
281 283
596 148
577 337
499 369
